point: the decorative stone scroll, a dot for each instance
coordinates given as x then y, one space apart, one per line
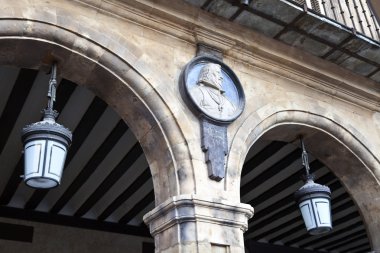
216 96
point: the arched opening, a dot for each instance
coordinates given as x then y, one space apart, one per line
116 68
270 187
271 175
122 88
107 184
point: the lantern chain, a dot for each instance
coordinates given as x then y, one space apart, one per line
49 112
305 159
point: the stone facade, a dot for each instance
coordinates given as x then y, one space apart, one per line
131 55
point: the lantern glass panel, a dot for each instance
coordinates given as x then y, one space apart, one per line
34 157
307 214
44 162
55 159
316 215
322 211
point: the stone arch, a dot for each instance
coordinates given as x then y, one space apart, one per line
115 69
358 171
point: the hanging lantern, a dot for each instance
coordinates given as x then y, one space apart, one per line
45 145
314 202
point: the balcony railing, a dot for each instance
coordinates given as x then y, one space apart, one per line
355 14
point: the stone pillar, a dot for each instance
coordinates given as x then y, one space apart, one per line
190 223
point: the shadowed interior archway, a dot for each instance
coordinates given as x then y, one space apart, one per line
270 177
337 148
106 185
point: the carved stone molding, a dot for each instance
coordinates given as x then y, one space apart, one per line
192 208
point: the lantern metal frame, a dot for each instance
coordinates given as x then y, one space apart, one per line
314 201
45 145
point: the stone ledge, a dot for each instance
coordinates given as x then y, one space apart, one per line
250 48
193 208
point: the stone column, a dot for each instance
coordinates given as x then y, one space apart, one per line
190 223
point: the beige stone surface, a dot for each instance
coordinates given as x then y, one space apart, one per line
193 223
131 54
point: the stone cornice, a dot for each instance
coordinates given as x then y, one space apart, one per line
190 24
192 208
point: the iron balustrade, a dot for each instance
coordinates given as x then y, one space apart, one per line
355 14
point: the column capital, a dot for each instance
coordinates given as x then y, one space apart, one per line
193 208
